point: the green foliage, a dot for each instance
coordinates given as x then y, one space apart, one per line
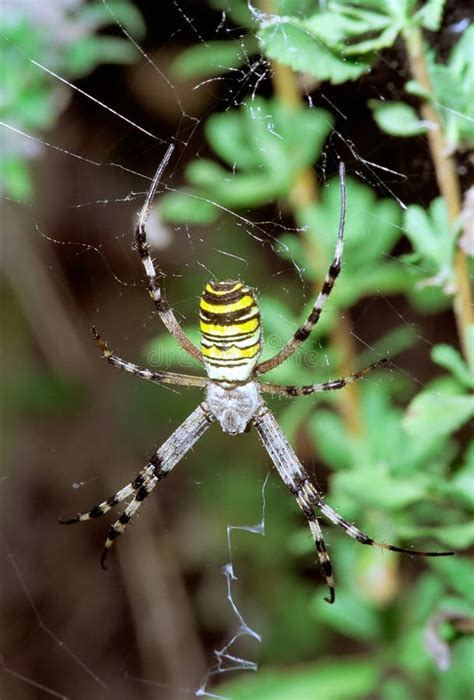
405 475
253 142
324 680
397 118
31 98
433 242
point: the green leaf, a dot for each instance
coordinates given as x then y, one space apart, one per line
97 15
430 14
456 537
376 488
350 616
15 178
214 58
397 118
293 44
433 409
433 241
83 56
187 207
458 573
449 358
346 680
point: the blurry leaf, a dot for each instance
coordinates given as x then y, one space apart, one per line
182 207
448 357
462 484
96 15
349 616
439 410
455 536
15 177
293 44
458 573
453 91
237 10
431 14
457 682
397 118
84 55
433 241
331 439
214 57
345 680
397 689
375 488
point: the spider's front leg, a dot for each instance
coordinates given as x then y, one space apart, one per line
159 377
331 385
159 465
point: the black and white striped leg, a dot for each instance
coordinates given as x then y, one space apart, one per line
297 480
159 465
287 390
308 489
304 331
165 311
177 379
291 471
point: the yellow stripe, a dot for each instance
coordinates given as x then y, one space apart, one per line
218 292
251 325
232 354
242 303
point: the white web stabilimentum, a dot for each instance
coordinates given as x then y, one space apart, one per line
247 80
226 661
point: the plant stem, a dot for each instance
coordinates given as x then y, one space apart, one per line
304 192
448 182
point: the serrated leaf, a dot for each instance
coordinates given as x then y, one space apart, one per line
433 241
397 118
293 45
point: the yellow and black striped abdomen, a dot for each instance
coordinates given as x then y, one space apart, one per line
231 340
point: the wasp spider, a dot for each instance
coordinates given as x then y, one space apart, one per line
231 345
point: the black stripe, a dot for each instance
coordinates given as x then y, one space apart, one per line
124 518
228 319
226 298
96 512
225 363
223 286
214 338
301 334
326 566
142 493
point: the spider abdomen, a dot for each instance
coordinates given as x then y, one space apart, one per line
231 335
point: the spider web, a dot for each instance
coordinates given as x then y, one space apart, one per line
75 242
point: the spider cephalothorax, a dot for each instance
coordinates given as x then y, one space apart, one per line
231 345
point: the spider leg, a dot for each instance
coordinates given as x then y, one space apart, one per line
159 465
297 480
165 311
289 390
304 331
152 376
289 468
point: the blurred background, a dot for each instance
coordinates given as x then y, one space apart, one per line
75 173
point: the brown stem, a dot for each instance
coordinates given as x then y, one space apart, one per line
305 191
448 182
